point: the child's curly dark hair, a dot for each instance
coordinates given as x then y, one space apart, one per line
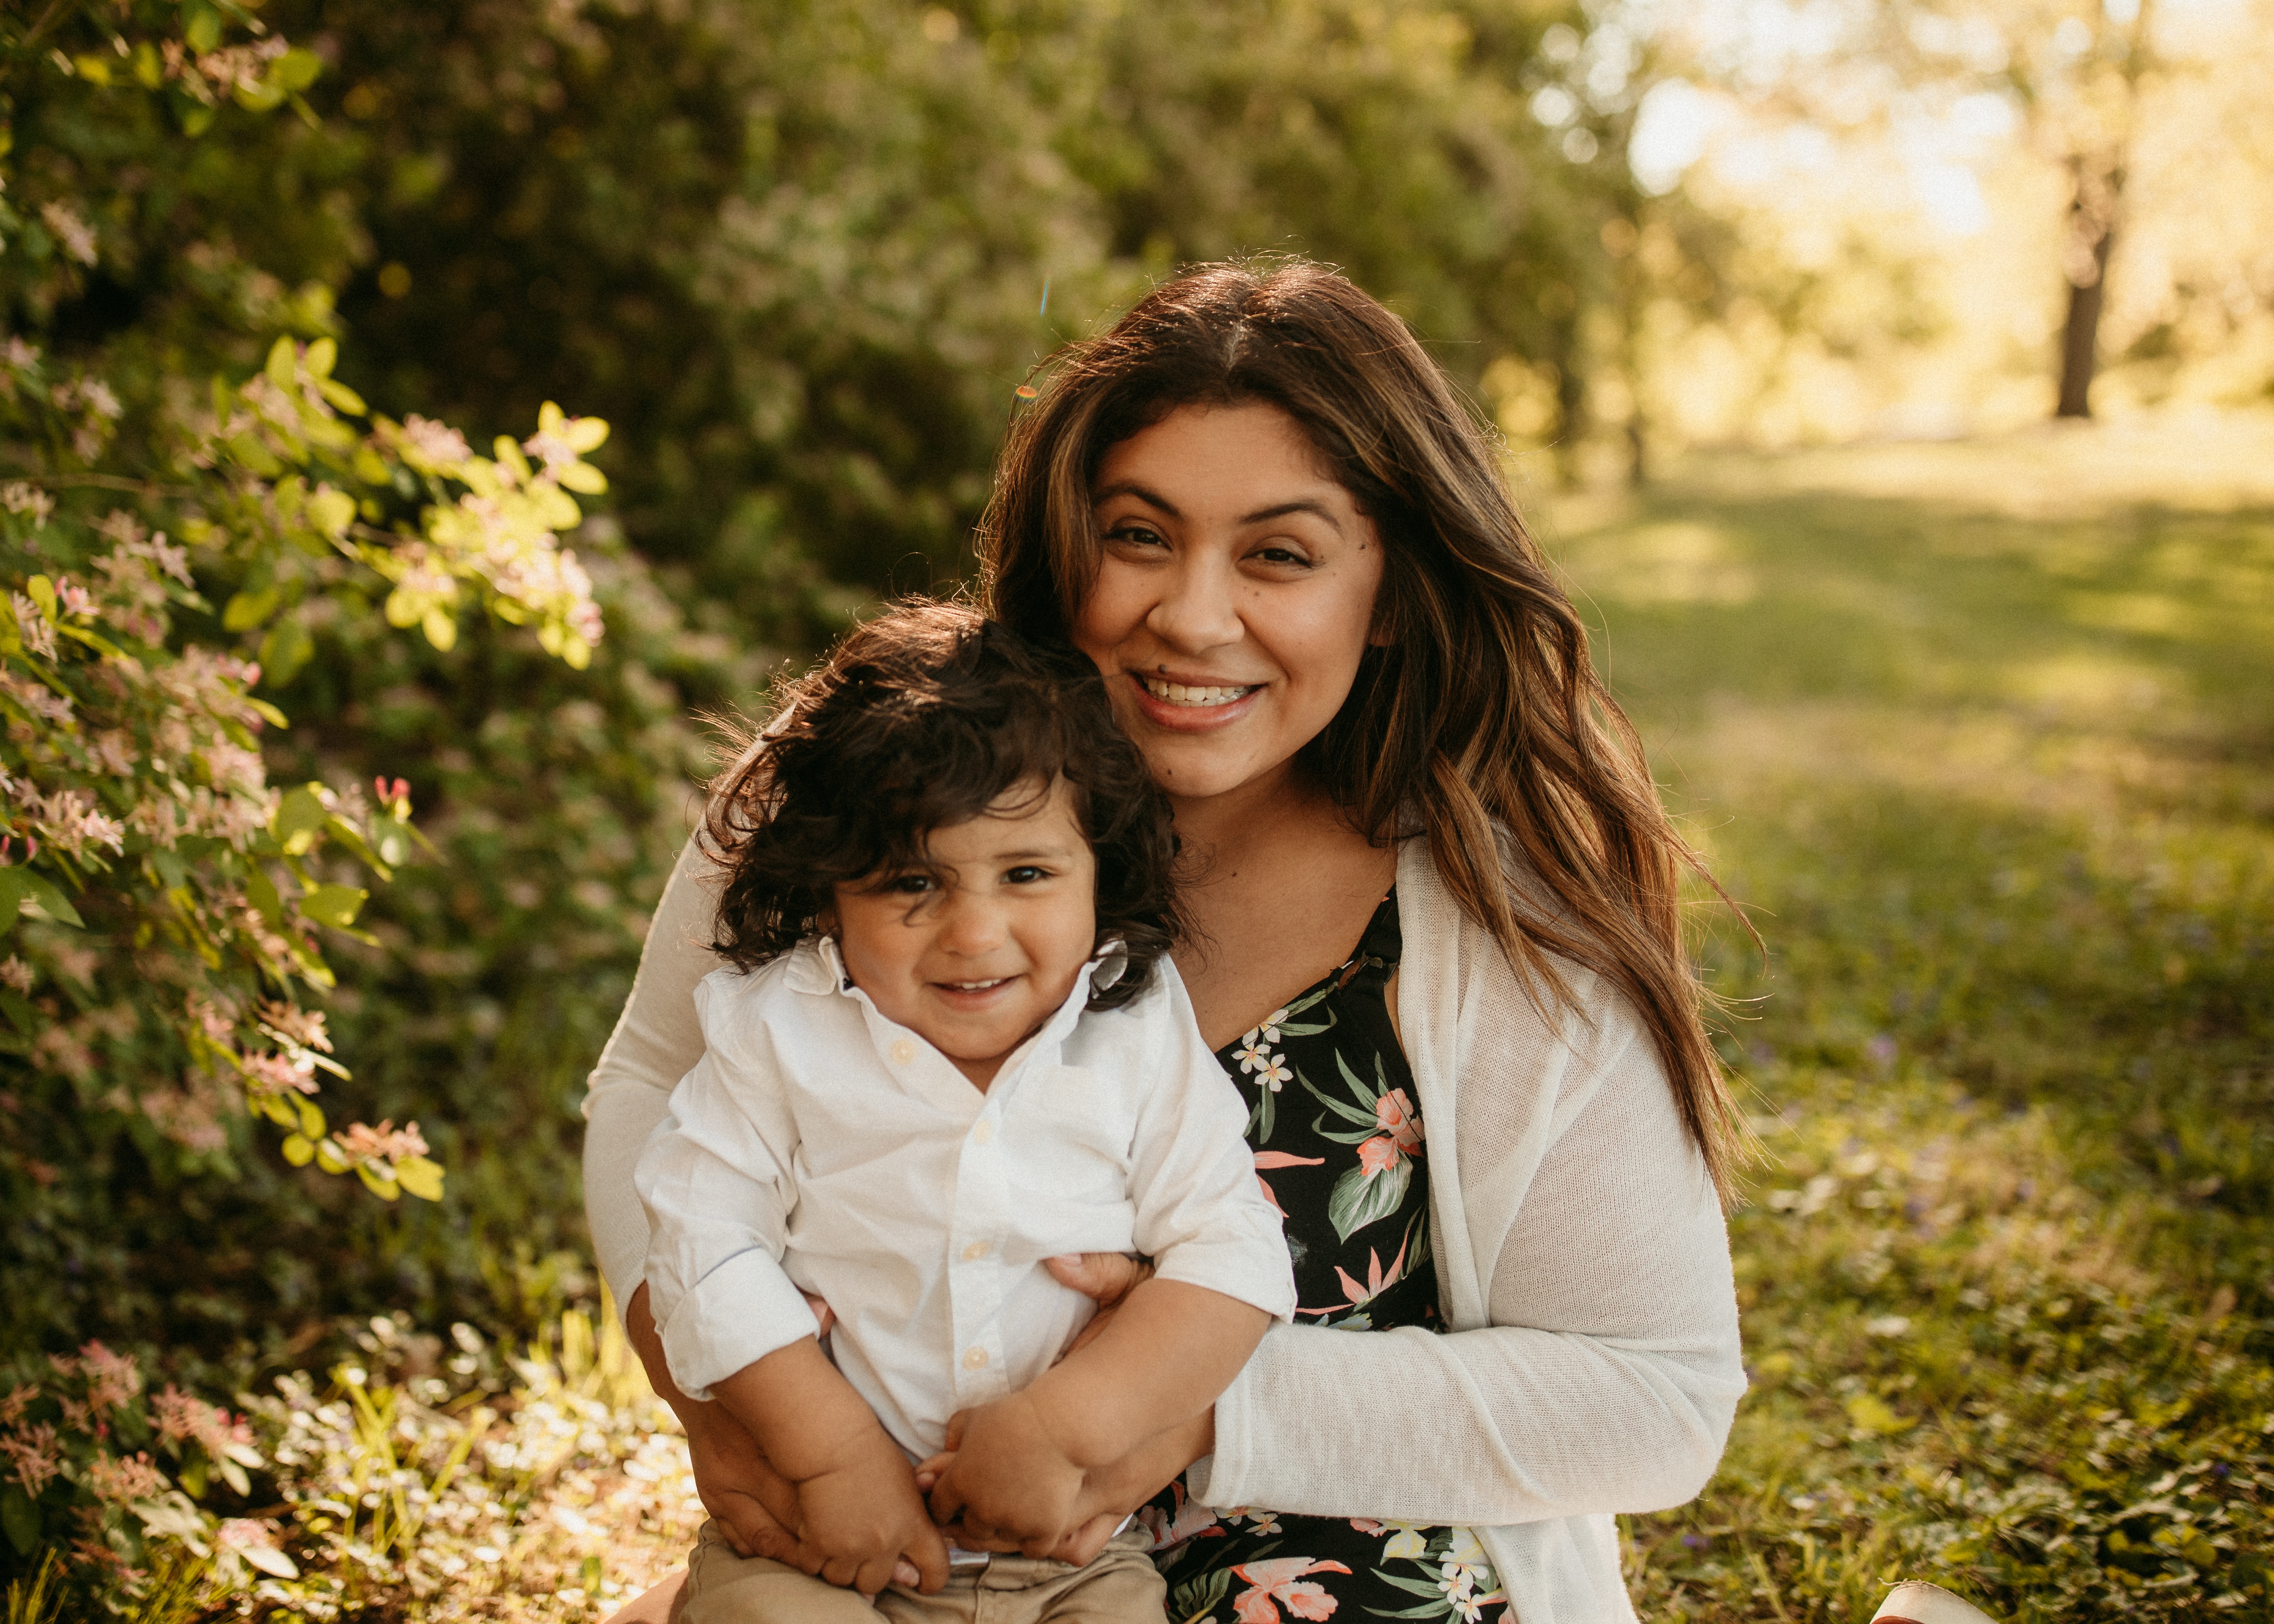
918 720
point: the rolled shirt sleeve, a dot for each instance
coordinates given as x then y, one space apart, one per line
716 1185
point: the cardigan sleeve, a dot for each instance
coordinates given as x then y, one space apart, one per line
657 1040
1609 1373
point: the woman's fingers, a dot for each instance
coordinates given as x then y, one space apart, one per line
821 1311
1106 1276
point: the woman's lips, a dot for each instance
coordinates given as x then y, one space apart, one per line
1188 707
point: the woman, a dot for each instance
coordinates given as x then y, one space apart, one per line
1438 950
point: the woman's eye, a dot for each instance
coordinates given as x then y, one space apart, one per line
1134 536
1280 555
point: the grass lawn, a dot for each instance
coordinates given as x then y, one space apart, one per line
1982 736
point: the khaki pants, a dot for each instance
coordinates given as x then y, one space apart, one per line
1119 1587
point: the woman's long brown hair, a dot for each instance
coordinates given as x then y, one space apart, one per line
1480 719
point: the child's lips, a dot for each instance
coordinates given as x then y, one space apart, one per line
975 992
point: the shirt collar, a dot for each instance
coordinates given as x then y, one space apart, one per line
817 966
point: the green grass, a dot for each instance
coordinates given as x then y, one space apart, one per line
1983 737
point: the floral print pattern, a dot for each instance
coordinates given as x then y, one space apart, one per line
1352 1182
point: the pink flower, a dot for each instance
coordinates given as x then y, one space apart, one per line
33 1455
112 1378
1277 1581
1379 1153
1280 1159
1377 1281
1393 1113
125 1478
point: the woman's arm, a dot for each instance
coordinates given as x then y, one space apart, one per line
1611 1372
655 1041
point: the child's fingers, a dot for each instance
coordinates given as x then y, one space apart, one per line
931 1470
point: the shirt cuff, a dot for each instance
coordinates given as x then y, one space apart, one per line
1258 1272
738 1314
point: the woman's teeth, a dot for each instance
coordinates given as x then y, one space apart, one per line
1178 694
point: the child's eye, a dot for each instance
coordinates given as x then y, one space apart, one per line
1027 874
910 884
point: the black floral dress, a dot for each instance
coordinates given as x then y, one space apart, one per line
1338 1145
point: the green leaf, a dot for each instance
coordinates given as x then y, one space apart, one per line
94 69
440 629
377 1182
1358 1201
299 815
248 609
266 711
50 899
284 653
334 904
342 397
200 25
332 511
19 1519
296 69
235 1476
43 593
20 1012
261 891
324 354
420 1177
279 364
312 1116
299 1149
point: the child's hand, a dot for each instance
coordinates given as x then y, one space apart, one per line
1007 1480
861 1516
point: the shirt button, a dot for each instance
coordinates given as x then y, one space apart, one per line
975 1251
977 1359
903 1051
984 1133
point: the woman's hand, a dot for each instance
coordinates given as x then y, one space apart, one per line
755 1506
1107 1276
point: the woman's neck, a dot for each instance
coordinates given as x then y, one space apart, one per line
1219 831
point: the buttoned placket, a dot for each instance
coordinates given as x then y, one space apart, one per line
980 1207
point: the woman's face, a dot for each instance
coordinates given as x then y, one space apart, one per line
1234 598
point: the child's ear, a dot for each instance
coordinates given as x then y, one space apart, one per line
824 922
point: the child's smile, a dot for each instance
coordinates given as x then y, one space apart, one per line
977 951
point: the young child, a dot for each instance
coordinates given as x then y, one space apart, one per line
948 1046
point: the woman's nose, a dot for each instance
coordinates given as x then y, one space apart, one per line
1195 610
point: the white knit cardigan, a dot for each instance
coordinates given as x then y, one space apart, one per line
1592 1363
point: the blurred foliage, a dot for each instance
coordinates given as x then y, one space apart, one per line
801 267
1991 762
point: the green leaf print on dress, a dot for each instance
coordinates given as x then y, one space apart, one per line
1388 1137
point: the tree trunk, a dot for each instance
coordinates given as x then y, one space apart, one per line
2088 286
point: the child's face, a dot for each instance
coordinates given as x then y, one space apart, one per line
976 955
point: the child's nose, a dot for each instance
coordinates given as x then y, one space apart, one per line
972 925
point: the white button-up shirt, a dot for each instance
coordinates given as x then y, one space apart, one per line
818 1145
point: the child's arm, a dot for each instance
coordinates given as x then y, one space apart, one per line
1171 1350
858 1509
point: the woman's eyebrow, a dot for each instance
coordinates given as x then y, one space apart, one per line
1281 510
1130 487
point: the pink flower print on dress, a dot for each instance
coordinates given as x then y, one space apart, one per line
1280 1159
1394 1112
1279 1581
1191 1520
